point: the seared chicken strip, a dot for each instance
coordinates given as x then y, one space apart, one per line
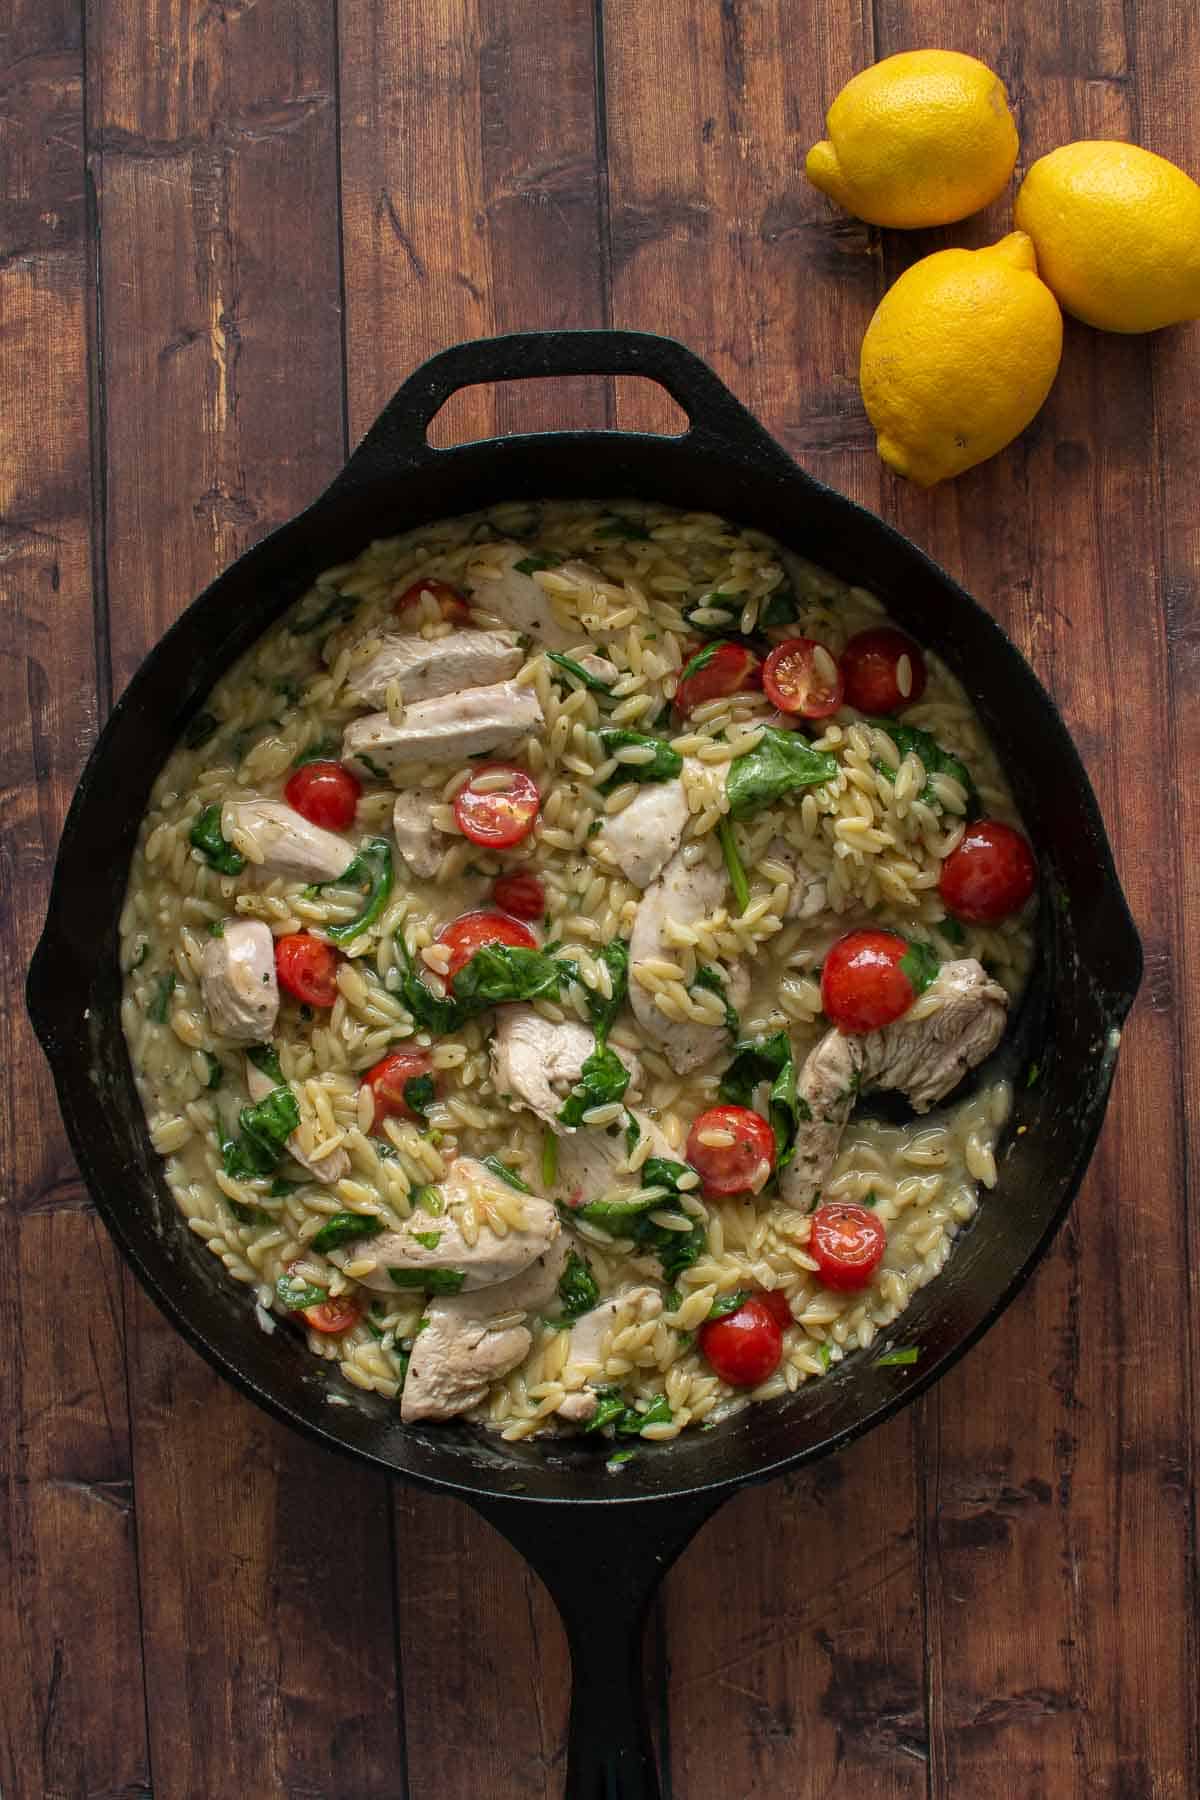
427 668
237 981
279 841
685 895
447 729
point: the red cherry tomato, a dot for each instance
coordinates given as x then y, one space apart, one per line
387 1082
847 1245
776 1304
453 605
802 676
520 894
325 794
497 818
333 1315
471 931
744 1347
716 670
863 986
990 875
741 1166
307 968
884 670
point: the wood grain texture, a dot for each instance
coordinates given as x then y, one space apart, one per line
68 1577
265 1564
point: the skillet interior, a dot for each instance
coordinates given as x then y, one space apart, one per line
1089 955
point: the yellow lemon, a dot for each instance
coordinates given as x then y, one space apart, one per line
961 352
922 138
1117 233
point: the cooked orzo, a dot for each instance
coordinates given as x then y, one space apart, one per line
511 937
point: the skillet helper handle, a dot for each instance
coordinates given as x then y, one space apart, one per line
397 440
602 1565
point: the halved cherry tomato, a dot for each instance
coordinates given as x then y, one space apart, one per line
884 670
716 670
388 1079
497 817
452 604
847 1245
863 986
776 1304
307 967
802 676
744 1347
333 1315
325 794
990 875
741 1165
520 894
471 931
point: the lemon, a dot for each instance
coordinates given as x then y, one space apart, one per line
1117 233
960 354
922 138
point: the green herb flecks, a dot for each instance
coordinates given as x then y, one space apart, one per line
346 1228
428 1240
900 1359
216 928
549 1158
781 763
206 837
160 1004
506 1174
733 864
428 1199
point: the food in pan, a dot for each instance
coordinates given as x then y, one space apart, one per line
519 941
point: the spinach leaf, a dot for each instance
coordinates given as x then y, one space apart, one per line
767 1059
609 1408
934 759
778 607
729 606
280 1189
419 1094
707 977
248 1215
216 928
781 763
602 1079
263 1131
428 1240
336 608
215 1071
263 1057
898 1358
326 749
627 1421
534 563
618 527
579 672
603 1012
346 1228
951 930
665 764
921 964
371 766
549 1158
506 1174
434 1281
734 866
577 1287
502 972
372 871
295 1293
160 1005
700 661
206 837
676 1250
203 727
428 1199
724 1304
144 950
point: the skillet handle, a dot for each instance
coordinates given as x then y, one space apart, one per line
397 442
602 1564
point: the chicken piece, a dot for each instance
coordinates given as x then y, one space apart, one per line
644 836
490 1259
809 896
924 1059
325 1169
427 668
593 1163
448 729
237 981
586 1345
418 839
499 590
539 1063
460 1350
683 894
599 666
279 841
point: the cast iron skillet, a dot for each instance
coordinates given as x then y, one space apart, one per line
600 1540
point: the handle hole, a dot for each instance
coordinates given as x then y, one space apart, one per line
556 403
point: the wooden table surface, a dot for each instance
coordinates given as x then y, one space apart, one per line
228 228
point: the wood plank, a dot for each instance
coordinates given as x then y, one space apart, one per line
1059 1534
265 1563
470 207
795 1649
72 1715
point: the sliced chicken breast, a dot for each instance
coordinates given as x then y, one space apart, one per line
592 1164
447 729
963 1018
685 895
586 1346
464 1346
279 841
325 1169
427 668
644 836
538 1063
237 981
501 591
418 839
